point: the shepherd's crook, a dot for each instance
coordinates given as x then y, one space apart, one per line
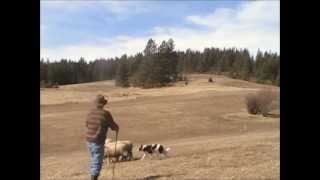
115 151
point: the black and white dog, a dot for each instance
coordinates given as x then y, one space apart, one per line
153 149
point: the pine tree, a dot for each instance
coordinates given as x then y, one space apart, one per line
122 76
151 48
166 64
159 66
144 76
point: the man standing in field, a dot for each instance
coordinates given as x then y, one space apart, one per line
98 121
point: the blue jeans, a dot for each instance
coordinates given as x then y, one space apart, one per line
97 153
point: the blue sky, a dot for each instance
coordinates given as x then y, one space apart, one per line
94 29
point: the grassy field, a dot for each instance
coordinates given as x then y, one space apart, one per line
206 126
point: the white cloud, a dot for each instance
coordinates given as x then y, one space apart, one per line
125 7
254 25
115 47
115 7
216 19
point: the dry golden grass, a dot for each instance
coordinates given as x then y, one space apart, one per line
205 124
87 91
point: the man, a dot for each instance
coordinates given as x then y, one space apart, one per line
98 121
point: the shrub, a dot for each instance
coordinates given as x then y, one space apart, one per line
179 78
261 102
182 78
55 85
42 84
252 104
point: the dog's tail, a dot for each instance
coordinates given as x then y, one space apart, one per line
167 149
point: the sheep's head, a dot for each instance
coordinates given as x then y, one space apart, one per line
108 140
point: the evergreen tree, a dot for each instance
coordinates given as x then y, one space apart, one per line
160 66
151 48
166 63
122 77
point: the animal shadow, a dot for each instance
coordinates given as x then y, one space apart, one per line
272 115
153 177
124 161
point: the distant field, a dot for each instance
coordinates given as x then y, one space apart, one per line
206 125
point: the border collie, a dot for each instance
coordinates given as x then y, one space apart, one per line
153 149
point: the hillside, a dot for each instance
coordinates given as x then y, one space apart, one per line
205 124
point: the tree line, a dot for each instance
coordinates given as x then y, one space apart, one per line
161 65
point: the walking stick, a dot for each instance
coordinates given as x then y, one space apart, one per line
115 151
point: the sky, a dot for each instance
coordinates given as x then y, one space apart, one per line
105 29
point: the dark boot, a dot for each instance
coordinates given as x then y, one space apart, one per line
94 177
